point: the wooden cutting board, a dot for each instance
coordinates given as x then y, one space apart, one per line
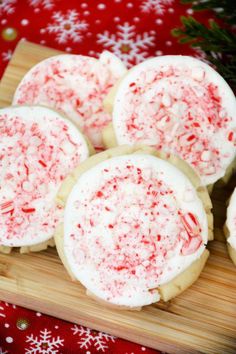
201 320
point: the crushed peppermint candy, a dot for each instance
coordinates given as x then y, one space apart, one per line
180 105
33 165
75 85
128 228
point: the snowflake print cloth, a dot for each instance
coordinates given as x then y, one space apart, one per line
67 27
130 47
44 343
46 4
7 7
28 332
158 6
89 338
6 56
134 31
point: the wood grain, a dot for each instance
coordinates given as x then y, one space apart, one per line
201 320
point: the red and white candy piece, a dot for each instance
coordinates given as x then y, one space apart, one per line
128 229
38 148
74 85
183 106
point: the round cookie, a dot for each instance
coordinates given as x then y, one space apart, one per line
38 149
230 227
74 85
132 233
180 105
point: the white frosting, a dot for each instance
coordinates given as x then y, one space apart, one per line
127 227
38 148
183 106
231 220
75 85
112 62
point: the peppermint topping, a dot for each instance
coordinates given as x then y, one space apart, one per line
182 106
126 221
33 164
75 85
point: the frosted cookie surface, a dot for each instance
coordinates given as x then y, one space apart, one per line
131 224
38 148
180 105
75 85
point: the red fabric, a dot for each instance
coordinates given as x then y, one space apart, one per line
48 335
132 29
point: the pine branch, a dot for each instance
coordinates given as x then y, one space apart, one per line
227 70
225 9
214 38
218 43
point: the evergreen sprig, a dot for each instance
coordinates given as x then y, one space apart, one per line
218 43
212 38
225 9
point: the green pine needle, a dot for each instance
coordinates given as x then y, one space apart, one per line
218 43
225 9
214 38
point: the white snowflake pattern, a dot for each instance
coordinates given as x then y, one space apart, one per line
67 26
7 7
126 44
46 4
90 338
3 305
10 305
157 6
6 56
44 343
2 351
